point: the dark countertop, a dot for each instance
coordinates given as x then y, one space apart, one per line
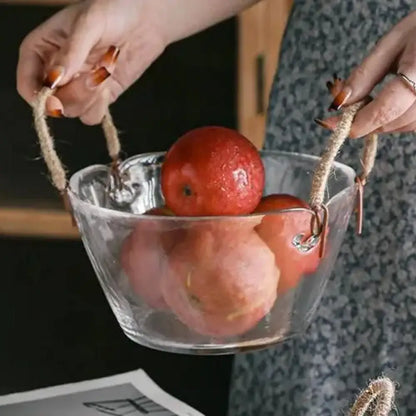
58 328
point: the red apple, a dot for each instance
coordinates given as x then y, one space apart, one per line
222 280
212 171
144 257
278 232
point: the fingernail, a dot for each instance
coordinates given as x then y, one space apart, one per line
110 57
340 99
54 77
336 77
97 77
56 113
322 123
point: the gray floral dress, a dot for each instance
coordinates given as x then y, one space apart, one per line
366 323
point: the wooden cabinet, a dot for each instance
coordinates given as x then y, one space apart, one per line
261 29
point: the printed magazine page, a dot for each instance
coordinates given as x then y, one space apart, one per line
129 394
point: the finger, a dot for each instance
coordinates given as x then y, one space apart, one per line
329 123
109 59
34 51
371 71
29 75
54 107
411 127
404 120
74 93
29 80
95 113
78 95
85 34
335 86
392 102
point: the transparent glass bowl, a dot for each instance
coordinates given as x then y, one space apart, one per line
208 285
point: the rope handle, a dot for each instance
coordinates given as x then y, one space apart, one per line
377 398
319 181
47 146
324 166
336 140
367 162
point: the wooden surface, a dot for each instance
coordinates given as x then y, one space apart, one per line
261 29
58 328
31 222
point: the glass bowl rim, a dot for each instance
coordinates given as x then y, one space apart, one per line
349 172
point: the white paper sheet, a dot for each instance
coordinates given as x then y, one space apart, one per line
129 394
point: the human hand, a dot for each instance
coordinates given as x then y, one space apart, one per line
393 109
76 50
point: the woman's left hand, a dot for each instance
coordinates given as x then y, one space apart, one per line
393 109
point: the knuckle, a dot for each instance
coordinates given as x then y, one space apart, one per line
385 114
20 89
26 45
88 16
383 129
71 112
82 20
90 120
408 63
354 134
360 72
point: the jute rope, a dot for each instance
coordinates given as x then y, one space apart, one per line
320 221
47 146
319 181
376 400
369 156
336 140
111 136
46 142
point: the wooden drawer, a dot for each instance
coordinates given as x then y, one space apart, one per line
261 29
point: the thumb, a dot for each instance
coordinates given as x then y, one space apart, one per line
85 34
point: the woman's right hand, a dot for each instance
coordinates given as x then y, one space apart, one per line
77 48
